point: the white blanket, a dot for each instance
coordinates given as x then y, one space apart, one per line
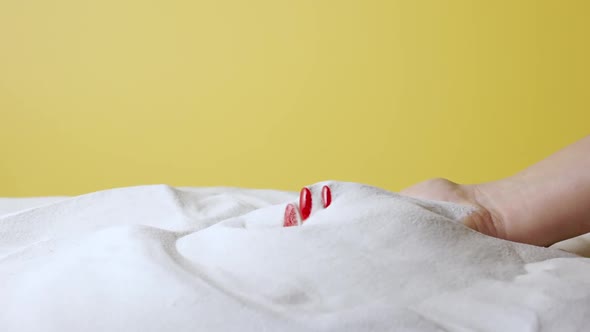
157 258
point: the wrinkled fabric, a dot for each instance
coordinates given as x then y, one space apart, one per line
158 258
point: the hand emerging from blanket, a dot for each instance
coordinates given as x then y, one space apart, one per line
483 219
296 215
544 204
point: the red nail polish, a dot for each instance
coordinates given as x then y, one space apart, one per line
326 196
305 203
290 216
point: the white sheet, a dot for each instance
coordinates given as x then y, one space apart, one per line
9 205
156 258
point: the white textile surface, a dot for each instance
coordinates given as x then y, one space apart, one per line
158 258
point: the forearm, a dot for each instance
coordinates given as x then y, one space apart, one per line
549 201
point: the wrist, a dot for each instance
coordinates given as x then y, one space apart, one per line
493 214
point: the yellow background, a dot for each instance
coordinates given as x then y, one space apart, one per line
278 94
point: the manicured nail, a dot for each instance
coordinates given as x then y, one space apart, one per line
326 196
305 203
290 216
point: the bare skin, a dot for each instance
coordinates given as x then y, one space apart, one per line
544 204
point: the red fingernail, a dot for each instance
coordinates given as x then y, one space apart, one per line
305 203
326 196
290 216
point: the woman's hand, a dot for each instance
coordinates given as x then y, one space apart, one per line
544 204
482 219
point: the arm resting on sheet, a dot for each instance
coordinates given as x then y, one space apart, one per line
544 204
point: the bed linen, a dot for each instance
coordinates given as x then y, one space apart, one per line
159 258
